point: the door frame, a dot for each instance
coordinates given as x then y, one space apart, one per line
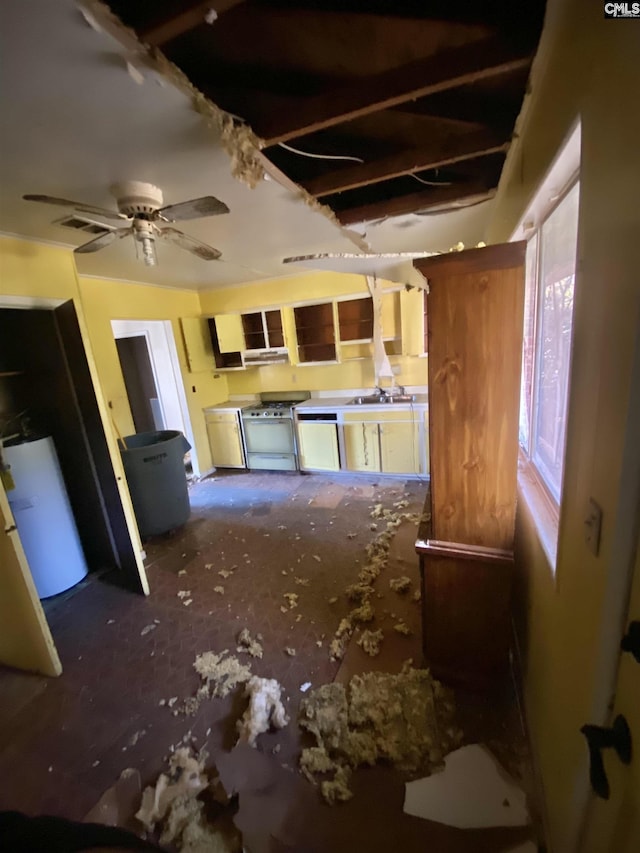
615 610
165 365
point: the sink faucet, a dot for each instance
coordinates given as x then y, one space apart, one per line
381 391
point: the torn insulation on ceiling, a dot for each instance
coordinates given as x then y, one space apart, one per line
236 137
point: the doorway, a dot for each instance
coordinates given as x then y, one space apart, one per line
140 383
152 378
46 381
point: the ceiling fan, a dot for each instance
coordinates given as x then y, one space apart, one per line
140 205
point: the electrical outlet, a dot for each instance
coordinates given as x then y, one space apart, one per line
593 527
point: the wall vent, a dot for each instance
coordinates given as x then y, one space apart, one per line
79 223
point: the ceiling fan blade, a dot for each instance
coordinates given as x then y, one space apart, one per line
102 241
208 205
83 208
207 253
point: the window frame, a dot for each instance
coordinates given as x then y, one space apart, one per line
537 499
532 403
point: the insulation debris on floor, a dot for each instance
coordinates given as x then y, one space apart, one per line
265 709
360 593
189 809
404 719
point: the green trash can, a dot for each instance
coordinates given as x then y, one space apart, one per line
154 467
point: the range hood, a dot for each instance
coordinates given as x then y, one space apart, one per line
255 358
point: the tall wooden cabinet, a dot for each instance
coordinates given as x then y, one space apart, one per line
475 305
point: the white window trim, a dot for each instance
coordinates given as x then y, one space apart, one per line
560 178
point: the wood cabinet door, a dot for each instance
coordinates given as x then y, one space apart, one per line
400 447
230 332
318 446
25 638
362 446
225 443
197 342
476 303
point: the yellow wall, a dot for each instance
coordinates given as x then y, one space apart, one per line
590 72
104 301
33 272
283 377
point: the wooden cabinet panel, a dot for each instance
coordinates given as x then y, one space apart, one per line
466 625
197 344
318 446
475 344
225 440
362 446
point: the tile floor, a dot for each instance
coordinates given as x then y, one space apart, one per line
64 741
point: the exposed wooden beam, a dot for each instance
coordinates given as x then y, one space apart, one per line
406 163
446 70
470 193
191 15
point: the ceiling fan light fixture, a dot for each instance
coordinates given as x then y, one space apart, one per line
145 242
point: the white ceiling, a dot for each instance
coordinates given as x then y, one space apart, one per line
73 121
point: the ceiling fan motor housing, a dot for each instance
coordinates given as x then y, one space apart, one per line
136 198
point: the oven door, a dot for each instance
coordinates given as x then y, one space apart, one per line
269 436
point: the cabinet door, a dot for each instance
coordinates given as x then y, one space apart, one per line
318 446
230 332
25 639
476 305
362 446
197 344
225 441
400 447
412 321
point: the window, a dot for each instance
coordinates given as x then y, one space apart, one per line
549 295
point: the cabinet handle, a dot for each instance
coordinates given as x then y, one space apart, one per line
598 738
631 640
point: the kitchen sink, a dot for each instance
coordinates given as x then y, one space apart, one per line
376 399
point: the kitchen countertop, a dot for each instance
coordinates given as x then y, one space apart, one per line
333 403
230 406
329 403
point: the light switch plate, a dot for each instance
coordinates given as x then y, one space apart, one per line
593 527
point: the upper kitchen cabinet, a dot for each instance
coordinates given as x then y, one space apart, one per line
263 330
355 319
355 328
264 341
224 360
315 331
198 345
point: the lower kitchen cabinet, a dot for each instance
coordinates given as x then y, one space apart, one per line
318 447
391 442
225 439
400 447
362 446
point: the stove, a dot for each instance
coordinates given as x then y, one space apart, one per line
269 436
269 410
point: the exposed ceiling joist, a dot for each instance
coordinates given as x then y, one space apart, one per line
446 70
469 194
406 163
191 15
404 89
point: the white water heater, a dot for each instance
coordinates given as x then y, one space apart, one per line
43 516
